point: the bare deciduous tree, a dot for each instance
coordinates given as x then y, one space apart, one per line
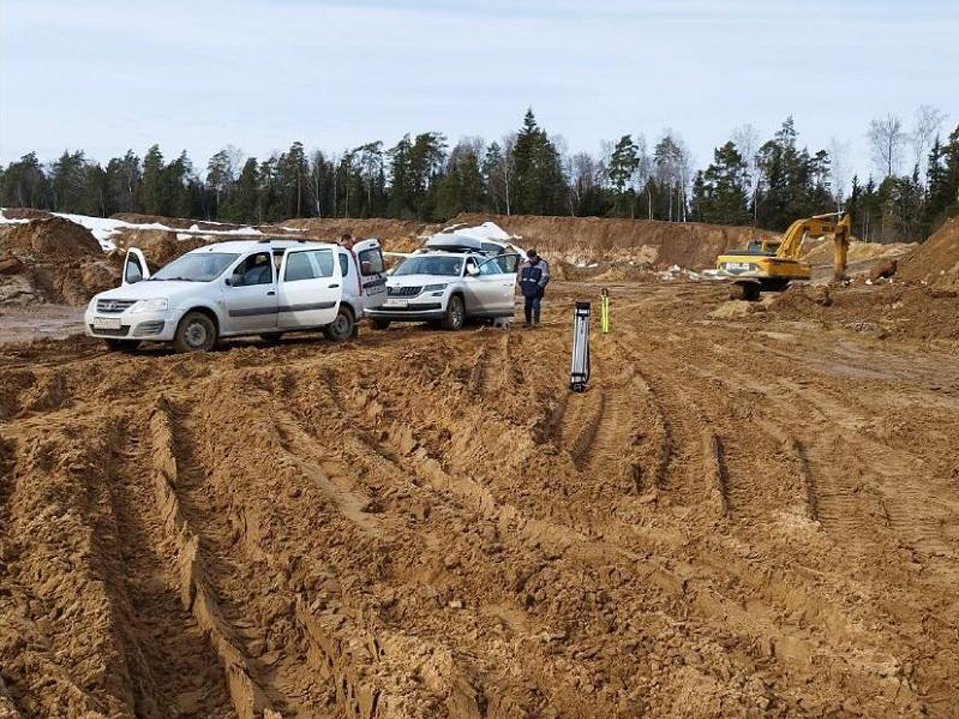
886 141
746 139
928 121
839 169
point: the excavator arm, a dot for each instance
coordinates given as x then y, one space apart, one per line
818 226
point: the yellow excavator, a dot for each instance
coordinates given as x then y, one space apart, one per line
770 265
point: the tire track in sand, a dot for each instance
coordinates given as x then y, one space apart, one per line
174 476
172 656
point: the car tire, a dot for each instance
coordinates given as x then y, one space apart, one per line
343 327
195 333
380 324
122 345
455 314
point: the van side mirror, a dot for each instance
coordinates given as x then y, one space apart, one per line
228 282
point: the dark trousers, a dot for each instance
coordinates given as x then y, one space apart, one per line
531 309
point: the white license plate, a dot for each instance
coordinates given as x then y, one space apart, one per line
403 304
106 323
738 266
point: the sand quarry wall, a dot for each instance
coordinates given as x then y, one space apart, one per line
582 240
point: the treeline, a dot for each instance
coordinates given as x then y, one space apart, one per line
764 184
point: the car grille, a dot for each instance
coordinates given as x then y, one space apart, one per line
114 305
403 291
104 332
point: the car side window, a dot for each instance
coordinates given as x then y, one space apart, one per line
373 259
491 267
134 272
508 263
344 264
257 269
308 265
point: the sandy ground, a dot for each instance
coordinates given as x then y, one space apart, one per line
753 516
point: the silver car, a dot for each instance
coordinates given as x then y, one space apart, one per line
231 289
448 288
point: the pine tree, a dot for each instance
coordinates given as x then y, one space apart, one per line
244 206
67 181
152 194
623 164
540 183
720 193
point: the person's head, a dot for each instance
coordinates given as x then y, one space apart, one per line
346 239
533 256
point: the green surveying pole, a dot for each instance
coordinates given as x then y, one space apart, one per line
604 311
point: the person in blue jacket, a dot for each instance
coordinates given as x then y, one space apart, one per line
533 277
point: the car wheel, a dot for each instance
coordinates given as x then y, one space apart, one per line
341 329
122 345
195 333
455 314
380 324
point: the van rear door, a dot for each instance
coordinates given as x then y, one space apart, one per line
310 288
369 257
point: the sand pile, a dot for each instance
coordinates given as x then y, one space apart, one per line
52 260
935 261
159 246
906 311
585 240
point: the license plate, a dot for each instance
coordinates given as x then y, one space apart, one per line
738 266
106 323
397 303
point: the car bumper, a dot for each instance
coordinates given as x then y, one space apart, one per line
419 312
152 326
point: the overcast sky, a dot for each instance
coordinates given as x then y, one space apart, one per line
117 74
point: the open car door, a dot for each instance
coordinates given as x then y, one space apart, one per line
369 258
497 279
135 267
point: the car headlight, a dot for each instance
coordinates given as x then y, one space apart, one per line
158 305
434 288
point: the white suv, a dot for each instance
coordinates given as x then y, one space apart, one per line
448 287
230 289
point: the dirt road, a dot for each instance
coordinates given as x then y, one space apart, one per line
743 517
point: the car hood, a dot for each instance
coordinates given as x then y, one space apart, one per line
419 280
151 289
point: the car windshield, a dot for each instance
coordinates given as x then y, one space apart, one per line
196 267
431 265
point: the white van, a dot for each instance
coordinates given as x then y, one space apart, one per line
231 289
